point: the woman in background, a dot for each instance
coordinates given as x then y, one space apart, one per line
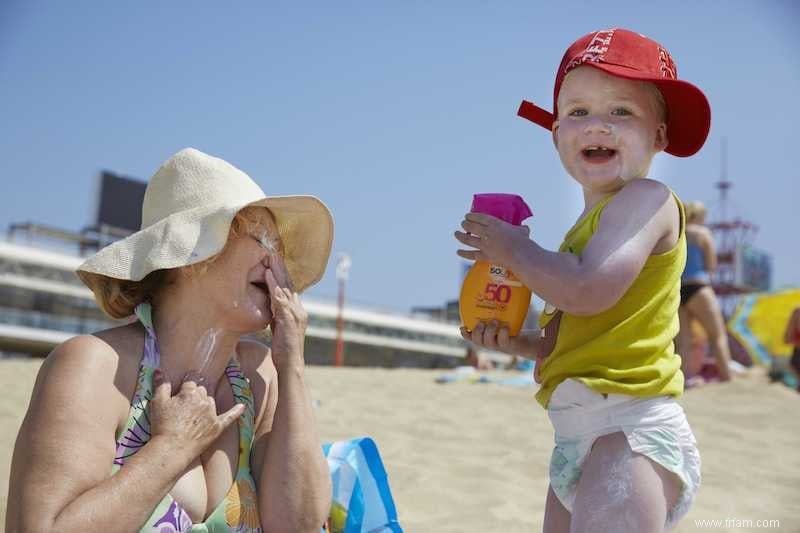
698 300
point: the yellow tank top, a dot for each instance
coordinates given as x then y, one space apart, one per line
627 349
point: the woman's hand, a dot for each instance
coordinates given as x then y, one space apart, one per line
289 317
189 419
493 337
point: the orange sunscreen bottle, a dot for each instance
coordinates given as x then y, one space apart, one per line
492 292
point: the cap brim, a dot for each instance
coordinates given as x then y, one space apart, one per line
688 111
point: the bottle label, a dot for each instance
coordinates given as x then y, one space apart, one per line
497 293
502 276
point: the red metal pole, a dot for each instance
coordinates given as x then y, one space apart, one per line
338 359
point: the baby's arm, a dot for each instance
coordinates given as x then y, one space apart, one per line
631 227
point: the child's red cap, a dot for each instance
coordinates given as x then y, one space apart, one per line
633 56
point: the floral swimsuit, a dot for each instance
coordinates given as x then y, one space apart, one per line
238 510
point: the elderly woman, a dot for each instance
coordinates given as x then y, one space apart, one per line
176 422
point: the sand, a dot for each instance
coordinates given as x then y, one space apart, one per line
473 457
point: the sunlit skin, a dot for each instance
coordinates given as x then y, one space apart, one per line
193 450
234 285
607 132
228 295
596 109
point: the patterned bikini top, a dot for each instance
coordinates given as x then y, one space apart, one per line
238 510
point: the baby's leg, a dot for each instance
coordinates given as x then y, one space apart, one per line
556 516
620 490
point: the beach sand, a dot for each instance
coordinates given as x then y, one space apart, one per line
473 457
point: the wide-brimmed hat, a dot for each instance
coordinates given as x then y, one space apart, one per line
633 56
187 212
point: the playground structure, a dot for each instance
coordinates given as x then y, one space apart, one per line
742 269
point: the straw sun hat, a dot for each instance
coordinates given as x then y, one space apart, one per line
188 208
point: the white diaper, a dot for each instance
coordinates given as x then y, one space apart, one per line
654 427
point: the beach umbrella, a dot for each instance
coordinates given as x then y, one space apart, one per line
760 321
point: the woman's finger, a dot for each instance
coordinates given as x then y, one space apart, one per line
162 386
188 386
228 417
278 266
274 289
194 376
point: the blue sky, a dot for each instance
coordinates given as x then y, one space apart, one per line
393 113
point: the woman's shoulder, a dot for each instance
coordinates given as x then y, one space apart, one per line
104 360
255 356
698 233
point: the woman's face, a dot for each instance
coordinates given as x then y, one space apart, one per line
234 283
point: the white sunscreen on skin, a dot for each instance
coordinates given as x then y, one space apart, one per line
266 242
205 350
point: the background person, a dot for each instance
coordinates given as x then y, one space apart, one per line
792 336
698 300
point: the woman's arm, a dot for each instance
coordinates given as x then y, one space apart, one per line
294 486
709 250
294 480
61 470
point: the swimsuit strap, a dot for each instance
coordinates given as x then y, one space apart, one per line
137 429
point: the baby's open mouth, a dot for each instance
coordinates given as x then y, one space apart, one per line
598 153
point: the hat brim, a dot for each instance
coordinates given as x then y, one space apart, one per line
304 223
688 110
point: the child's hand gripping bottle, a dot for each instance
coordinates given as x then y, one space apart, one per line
492 292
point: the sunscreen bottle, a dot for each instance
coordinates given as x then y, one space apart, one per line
492 292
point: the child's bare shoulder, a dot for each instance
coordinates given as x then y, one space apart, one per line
646 188
648 208
645 197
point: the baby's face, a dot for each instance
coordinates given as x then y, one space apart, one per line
608 129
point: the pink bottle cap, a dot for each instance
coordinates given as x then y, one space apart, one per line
509 207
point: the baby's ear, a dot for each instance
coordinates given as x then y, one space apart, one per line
554 133
662 141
